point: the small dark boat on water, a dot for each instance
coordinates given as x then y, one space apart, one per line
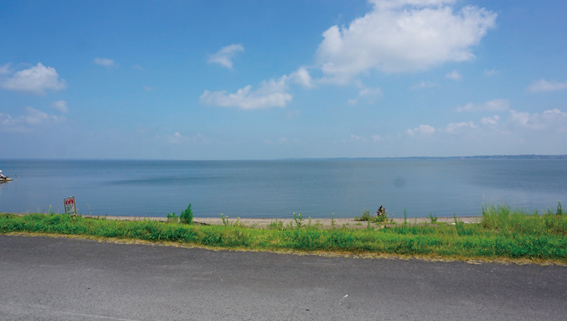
4 179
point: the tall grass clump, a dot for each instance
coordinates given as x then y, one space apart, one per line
172 217
513 222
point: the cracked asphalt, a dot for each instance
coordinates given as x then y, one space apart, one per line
45 278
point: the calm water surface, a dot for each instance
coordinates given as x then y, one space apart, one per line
276 189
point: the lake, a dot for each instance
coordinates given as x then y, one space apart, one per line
317 188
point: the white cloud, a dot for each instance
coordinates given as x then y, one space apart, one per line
424 85
225 55
34 80
492 105
490 120
302 77
422 129
369 94
401 36
61 106
554 120
389 4
272 93
516 124
544 85
105 62
453 127
32 118
454 75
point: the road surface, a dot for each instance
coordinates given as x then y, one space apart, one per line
44 278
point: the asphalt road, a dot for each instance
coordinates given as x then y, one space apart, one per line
45 278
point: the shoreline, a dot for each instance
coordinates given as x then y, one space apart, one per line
265 222
323 222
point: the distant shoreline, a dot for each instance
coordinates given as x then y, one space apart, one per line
523 156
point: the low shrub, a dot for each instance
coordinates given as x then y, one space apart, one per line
186 216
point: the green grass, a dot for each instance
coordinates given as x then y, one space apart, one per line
503 233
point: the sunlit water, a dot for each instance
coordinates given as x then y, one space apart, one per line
276 189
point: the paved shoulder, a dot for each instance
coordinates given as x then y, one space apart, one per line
67 279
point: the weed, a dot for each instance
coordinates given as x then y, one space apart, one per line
559 210
224 219
276 225
172 218
366 217
333 220
433 218
298 220
227 223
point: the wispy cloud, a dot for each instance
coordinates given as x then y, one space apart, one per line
492 105
4 70
455 127
178 138
272 93
491 72
543 85
225 55
402 36
424 85
454 75
514 123
553 119
105 62
26 123
490 120
422 129
35 80
354 139
61 106
369 94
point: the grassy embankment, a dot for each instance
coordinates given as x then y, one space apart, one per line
503 233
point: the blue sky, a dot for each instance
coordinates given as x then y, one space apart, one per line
282 79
